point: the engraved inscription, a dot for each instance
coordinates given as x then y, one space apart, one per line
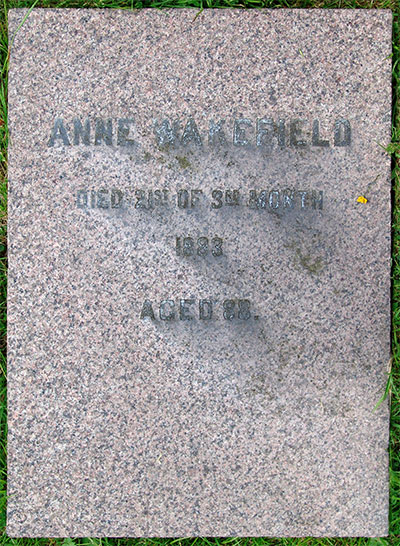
275 199
202 246
186 309
264 133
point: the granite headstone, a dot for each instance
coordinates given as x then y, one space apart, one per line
199 282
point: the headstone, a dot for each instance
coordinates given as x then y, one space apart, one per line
199 284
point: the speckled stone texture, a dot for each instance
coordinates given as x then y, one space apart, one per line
199 310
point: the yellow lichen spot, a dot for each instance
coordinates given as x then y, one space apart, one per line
362 200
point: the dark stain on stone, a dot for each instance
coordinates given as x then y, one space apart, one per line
183 162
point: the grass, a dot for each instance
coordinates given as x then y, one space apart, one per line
394 379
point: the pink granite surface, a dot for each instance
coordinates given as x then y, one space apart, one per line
224 384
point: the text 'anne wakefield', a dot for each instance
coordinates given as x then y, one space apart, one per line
263 133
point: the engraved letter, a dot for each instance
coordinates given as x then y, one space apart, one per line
147 310
195 197
93 195
232 197
81 132
315 136
317 199
82 199
216 135
184 312
183 199
102 201
303 198
239 134
103 132
217 195
262 200
295 133
166 133
191 134
164 313
267 129
205 310
116 199
123 132
342 133
274 199
288 198
252 199
59 131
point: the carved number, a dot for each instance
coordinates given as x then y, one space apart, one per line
202 246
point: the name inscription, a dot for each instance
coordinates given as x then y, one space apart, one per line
263 133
